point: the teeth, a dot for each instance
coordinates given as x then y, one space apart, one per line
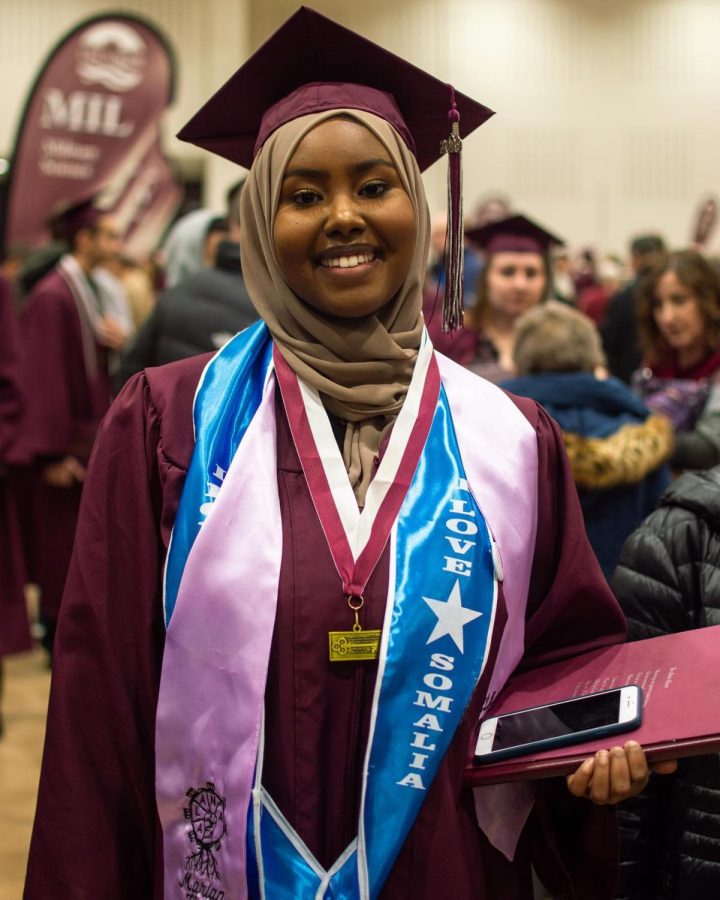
347 262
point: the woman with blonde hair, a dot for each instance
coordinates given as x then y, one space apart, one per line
617 449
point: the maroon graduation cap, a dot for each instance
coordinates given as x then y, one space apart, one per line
311 64
66 220
515 234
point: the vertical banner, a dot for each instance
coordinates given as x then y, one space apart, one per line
704 223
90 128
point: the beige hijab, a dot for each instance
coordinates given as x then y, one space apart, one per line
361 367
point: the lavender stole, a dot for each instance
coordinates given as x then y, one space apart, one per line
217 646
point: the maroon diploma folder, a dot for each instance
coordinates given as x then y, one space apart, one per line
680 678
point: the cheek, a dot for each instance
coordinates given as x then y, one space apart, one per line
498 288
538 288
699 325
290 239
402 231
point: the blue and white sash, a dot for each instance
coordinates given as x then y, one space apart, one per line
436 636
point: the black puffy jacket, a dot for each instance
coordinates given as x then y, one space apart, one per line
668 580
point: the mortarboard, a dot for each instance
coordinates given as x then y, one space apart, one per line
312 64
516 234
65 221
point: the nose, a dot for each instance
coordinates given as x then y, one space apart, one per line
520 281
664 314
344 218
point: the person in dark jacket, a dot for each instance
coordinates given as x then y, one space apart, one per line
199 314
617 449
668 580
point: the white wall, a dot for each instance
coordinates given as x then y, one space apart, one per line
607 109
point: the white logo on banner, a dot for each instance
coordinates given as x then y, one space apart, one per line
111 54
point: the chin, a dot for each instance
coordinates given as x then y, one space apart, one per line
354 313
347 309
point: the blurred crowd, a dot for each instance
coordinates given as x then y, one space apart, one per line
624 352
625 355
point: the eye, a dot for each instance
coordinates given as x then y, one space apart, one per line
507 271
304 197
374 188
532 273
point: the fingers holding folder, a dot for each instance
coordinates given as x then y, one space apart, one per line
611 776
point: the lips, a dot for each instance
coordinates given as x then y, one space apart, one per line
673 334
347 262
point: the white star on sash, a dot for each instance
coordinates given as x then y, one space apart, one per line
452 617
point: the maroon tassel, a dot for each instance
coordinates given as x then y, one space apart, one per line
454 238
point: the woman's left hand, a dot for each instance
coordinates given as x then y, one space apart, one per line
614 775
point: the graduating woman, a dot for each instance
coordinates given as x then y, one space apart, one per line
515 278
292 598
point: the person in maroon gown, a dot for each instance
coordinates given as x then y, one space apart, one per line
14 629
97 830
66 337
516 276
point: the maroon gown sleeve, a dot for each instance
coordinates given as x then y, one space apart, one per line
460 345
571 608
10 396
52 359
64 404
14 628
95 827
573 843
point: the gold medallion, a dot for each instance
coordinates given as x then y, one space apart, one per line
349 646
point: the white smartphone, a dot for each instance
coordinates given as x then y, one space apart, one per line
559 724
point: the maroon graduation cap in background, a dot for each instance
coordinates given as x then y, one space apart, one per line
312 64
515 234
66 220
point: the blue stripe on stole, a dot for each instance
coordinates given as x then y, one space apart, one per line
227 398
444 596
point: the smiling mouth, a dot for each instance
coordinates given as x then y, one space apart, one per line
347 262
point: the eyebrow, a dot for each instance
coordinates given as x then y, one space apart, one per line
356 169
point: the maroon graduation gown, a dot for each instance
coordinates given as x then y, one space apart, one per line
461 345
14 629
64 406
96 831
